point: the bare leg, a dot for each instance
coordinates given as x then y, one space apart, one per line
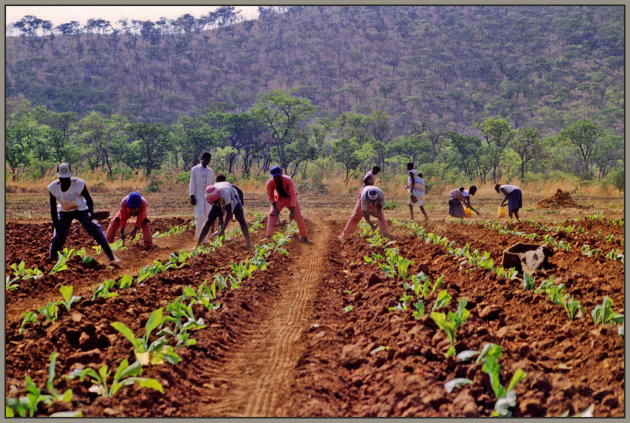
411 211
424 213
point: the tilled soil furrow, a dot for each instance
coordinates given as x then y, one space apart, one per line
260 370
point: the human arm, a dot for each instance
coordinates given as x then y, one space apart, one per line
507 196
412 178
53 210
228 217
88 200
366 216
191 187
467 202
290 189
204 230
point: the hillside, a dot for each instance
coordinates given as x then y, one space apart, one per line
427 66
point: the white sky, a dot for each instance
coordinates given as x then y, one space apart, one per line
62 14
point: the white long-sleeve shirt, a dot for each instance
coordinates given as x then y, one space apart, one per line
200 178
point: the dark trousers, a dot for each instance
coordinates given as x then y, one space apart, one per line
92 228
239 214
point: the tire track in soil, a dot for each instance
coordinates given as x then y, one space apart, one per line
259 371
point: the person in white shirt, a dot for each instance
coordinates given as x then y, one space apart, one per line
415 187
69 200
201 176
513 198
368 178
223 197
370 203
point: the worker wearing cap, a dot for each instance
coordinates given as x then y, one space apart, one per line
201 176
370 204
132 205
281 193
69 200
223 197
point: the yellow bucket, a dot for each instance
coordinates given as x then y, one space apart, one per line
502 210
467 212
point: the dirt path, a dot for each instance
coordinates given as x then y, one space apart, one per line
260 369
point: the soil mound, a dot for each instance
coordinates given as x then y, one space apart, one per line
560 200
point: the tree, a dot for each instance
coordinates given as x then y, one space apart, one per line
608 153
20 134
152 138
468 149
583 135
528 145
498 133
345 152
283 114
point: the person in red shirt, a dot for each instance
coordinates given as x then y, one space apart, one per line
132 205
282 194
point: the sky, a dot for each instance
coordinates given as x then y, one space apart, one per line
62 14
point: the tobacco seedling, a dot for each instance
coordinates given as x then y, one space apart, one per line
505 396
21 272
452 323
82 253
68 298
528 281
64 256
556 293
603 313
104 289
419 310
155 353
374 259
184 319
572 307
443 299
11 283
34 394
28 317
50 311
456 383
348 309
125 281
125 375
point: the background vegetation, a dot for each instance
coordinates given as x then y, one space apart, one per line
469 93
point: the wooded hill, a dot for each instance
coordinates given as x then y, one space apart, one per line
429 67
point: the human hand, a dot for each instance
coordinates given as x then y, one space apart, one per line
193 201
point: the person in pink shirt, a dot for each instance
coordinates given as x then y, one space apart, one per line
370 203
282 194
132 205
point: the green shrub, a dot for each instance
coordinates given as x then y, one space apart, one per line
154 186
183 177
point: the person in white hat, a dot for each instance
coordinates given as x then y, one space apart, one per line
223 197
201 176
69 200
370 204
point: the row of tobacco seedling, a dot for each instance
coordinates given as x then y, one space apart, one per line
173 328
108 288
419 288
586 250
555 292
21 272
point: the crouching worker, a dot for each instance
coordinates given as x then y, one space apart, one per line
223 197
282 194
69 200
370 204
132 205
513 198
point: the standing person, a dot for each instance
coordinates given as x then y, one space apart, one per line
416 188
459 196
370 204
223 197
513 197
201 176
368 178
75 202
282 194
132 205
